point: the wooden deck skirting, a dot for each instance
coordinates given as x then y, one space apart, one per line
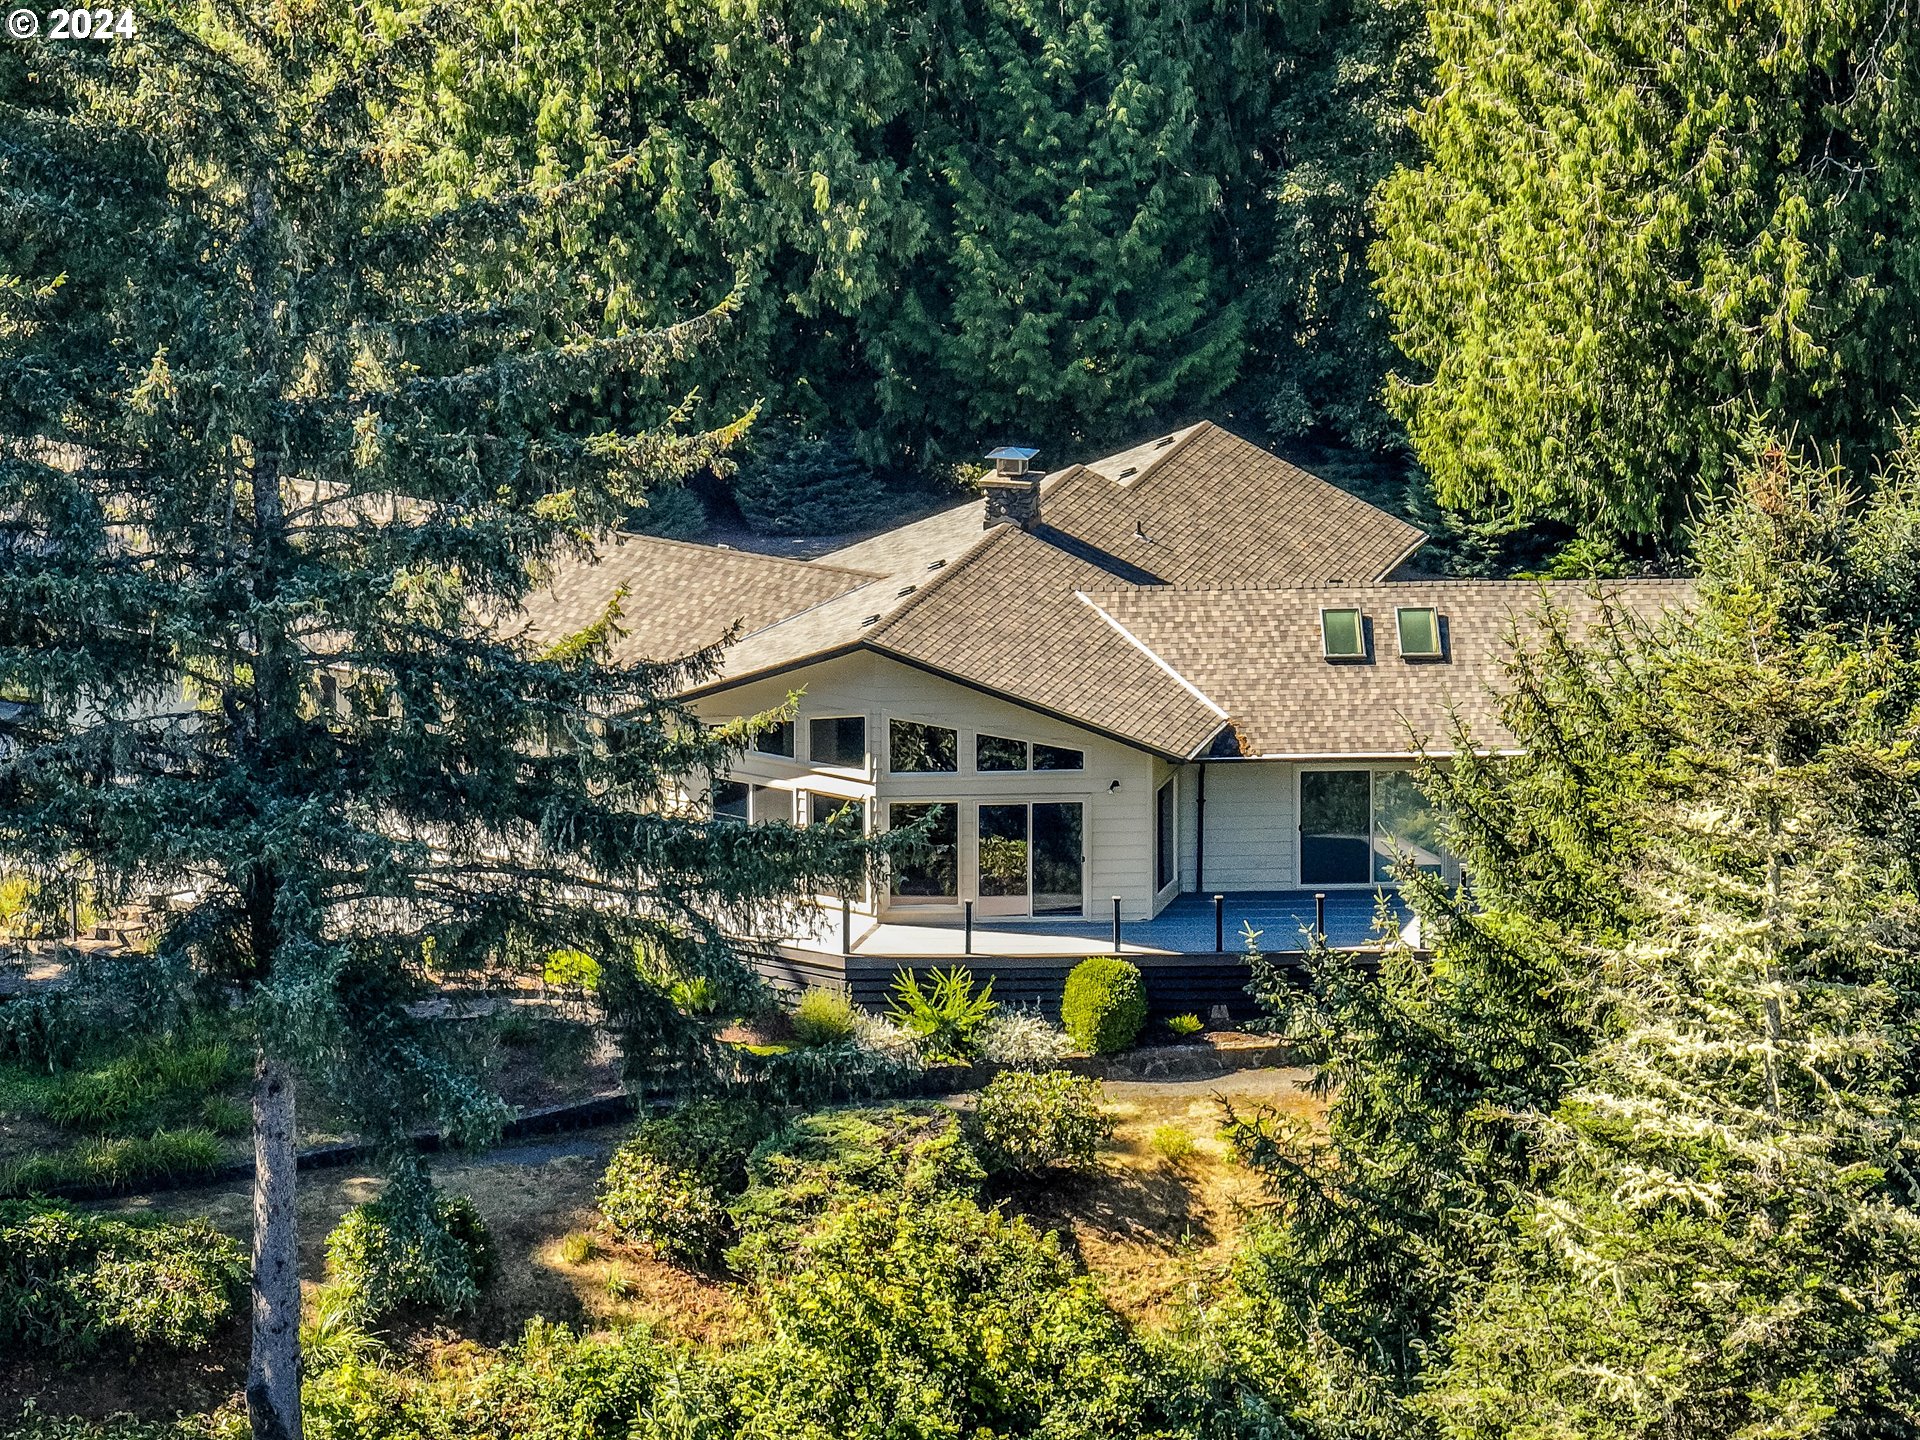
1176 984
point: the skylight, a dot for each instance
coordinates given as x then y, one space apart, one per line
1419 627
1343 635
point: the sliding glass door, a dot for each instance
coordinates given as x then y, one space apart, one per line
1031 859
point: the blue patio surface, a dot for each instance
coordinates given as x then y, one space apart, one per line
1284 919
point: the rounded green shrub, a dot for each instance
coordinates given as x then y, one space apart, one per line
669 1185
1029 1122
74 1283
1105 1005
413 1247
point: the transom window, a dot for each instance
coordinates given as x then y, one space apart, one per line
836 809
1343 634
999 753
838 740
1419 627
730 800
914 748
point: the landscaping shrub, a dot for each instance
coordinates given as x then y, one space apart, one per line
45 1031
945 1013
811 1076
73 1283
669 1185
826 1160
1105 1005
822 1018
938 1318
1029 1122
413 1247
1023 1039
1186 1025
125 1163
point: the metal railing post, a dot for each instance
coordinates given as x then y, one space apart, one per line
967 910
1116 924
1320 915
1219 924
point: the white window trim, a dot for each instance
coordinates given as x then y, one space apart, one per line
866 766
959 746
1439 650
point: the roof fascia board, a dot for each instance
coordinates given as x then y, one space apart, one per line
769 672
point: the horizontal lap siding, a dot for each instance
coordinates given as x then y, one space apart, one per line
1251 828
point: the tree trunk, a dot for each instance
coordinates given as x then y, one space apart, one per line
273 1375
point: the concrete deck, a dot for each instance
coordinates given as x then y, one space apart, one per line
1284 919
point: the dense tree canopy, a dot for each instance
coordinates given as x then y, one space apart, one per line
1636 225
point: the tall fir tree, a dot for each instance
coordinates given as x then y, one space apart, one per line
283 447
1637 226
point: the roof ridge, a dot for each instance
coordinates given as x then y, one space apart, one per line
1158 660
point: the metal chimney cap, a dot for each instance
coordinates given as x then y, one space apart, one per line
1012 452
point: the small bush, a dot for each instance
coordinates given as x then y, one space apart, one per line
118 1164
1105 1005
698 996
45 1031
1186 1025
669 1185
576 1247
1023 1040
413 1247
945 1013
1172 1143
572 970
812 1076
72 1284
1028 1122
822 1018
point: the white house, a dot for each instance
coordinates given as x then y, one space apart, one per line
1188 669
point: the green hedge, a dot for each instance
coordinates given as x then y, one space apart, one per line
669 1185
1105 1005
74 1283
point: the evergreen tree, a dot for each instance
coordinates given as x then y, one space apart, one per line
1636 227
1722 1237
284 444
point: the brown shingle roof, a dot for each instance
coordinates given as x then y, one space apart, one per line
680 598
1257 654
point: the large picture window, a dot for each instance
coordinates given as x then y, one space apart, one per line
1355 825
929 873
838 740
914 748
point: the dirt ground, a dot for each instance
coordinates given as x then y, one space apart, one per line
1149 1228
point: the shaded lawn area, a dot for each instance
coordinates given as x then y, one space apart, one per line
1147 1227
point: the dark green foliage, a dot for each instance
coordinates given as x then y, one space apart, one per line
826 1160
73 1284
412 1249
790 483
944 1012
159 1082
811 1075
1028 1123
1634 229
1104 1005
669 1185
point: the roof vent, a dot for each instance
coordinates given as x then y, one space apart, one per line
1013 490
870 620
936 564
1163 442
1139 531
1129 472
906 590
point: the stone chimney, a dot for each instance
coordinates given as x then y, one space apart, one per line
1013 490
